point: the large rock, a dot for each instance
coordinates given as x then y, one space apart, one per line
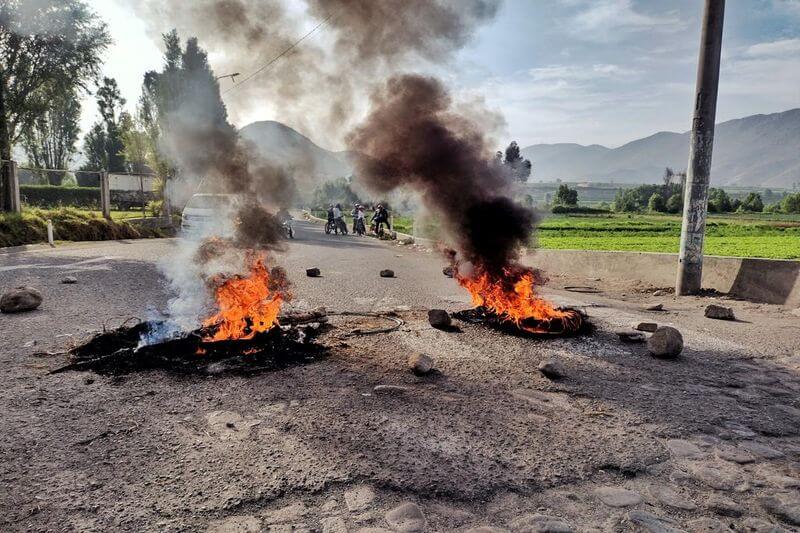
313 272
617 496
783 509
420 364
20 299
649 327
406 517
666 342
387 273
720 312
552 369
439 318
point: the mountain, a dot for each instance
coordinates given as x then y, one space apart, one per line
285 146
759 150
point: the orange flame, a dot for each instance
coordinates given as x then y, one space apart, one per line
511 296
246 304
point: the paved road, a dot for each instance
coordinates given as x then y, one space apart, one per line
708 441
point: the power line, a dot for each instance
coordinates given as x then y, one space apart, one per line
274 59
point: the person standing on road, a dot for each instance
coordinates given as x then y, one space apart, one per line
337 220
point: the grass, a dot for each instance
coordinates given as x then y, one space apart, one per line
69 224
731 235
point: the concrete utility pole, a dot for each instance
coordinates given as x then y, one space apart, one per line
695 194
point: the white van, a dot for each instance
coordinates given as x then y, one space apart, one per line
210 214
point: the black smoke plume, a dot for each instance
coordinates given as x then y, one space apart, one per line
413 136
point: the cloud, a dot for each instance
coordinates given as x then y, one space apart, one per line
581 73
783 48
615 20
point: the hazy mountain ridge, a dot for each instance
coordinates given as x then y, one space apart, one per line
758 150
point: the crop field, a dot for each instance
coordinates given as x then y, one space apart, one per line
777 237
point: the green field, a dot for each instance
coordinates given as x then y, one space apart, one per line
731 235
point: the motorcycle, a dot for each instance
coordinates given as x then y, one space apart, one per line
341 226
358 227
288 229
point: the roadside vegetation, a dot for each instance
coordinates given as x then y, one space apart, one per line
69 224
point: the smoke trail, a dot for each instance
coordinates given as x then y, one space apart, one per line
414 136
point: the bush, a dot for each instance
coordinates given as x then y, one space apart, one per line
772 208
68 225
56 196
566 196
657 203
675 203
753 203
575 210
791 203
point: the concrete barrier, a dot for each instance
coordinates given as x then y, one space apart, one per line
763 280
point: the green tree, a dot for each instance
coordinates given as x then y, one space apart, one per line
627 201
518 168
718 201
657 203
566 195
791 203
675 203
336 191
94 152
43 43
752 203
49 140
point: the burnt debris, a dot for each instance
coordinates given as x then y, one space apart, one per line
572 323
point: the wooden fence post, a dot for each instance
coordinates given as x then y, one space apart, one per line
10 200
105 195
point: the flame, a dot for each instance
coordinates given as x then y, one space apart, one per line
511 296
246 304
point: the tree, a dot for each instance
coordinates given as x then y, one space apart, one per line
752 203
566 196
657 203
791 203
110 104
675 203
626 201
719 201
49 140
46 43
518 168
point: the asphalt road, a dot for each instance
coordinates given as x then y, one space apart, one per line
624 443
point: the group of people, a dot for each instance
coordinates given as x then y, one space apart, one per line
379 219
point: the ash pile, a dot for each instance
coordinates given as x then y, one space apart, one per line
125 350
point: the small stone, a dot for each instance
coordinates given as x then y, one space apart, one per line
671 498
69 280
724 506
617 497
719 312
761 450
631 337
683 449
649 327
787 511
539 523
552 369
652 523
656 307
313 272
406 517
387 273
389 389
439 318
359 498
666 342
449 271
20 299
88 381
420 364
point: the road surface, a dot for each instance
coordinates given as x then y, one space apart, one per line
625 442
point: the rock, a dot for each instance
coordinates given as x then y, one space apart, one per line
713 477
236 524
756 525
761 450
719 312
708 525
389 389
387 273
406 517
20 299
734 455
795 312
408 241
420 363
652 523
683 449
656 307
439 318
313 272
449 271
359 498
724 506
539 523
631 337
69 280
784 482
552 369
333 524
659 293
787 511
617 496
649 327
671 498
666 343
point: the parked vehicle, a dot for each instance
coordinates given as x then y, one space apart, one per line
288 228
210 214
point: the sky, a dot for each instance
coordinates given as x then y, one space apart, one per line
583 71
